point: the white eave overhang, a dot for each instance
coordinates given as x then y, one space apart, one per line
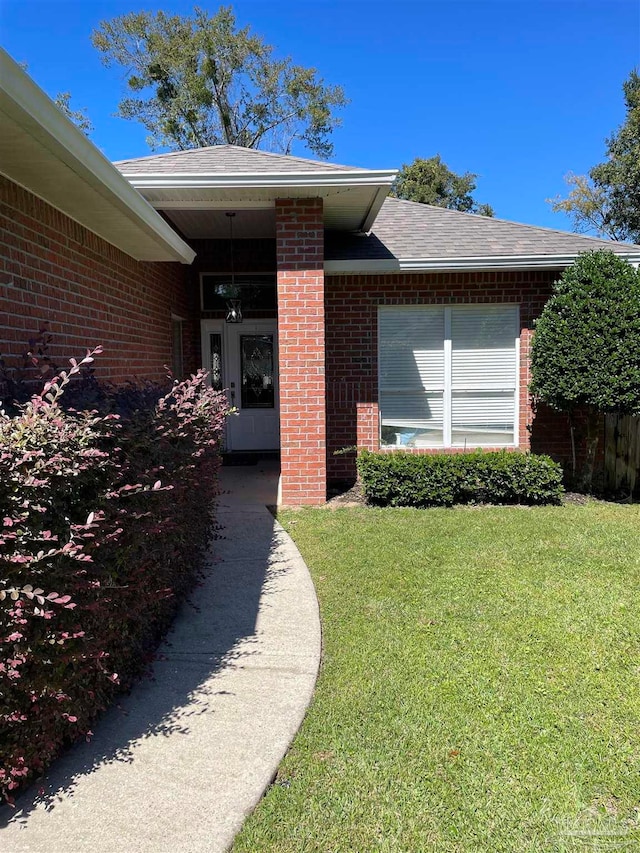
43 151
478 263
352 198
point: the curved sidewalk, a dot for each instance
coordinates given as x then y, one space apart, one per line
179 764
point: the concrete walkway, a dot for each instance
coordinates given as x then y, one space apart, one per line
183 759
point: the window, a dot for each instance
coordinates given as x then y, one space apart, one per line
257 292
448 375
215 364
177 363
256 370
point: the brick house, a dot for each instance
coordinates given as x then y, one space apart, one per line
334 315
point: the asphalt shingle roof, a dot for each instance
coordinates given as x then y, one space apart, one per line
406 229
402 229
225 158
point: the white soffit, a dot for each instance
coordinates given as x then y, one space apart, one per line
43 151
200 224
352 199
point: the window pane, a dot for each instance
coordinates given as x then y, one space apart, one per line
483 346
256 358
411 363
411 419
215 366
411 348
256 292
482 418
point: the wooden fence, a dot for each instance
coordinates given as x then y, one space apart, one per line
622 455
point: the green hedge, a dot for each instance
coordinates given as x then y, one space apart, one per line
503 477
104 521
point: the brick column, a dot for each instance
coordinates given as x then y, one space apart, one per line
367 426
300 260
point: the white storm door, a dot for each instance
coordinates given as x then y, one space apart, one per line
250 376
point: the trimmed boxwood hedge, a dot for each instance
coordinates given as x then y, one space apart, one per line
502 477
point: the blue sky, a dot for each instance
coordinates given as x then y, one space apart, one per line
518 91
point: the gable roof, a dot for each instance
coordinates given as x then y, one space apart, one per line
225 158
220 176
366 232
408 235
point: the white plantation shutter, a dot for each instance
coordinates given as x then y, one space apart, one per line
411 348
411 373
413 410
448 375
483 346
483 374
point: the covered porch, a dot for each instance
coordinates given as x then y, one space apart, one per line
257 222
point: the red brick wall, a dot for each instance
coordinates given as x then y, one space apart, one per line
352 347
300 256
55 272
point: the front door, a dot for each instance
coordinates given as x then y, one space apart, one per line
243 359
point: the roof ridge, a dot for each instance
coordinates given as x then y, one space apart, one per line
291 157
448 210
242 148
168 153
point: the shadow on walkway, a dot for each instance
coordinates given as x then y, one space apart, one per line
177 764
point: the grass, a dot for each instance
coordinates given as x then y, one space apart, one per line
479 688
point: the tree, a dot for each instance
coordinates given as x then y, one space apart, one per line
63 101
432 182
78 117
607 200
586 347
200 81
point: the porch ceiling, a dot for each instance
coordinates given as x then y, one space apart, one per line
202 224
352 200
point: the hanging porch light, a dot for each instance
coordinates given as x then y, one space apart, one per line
234 311
234 306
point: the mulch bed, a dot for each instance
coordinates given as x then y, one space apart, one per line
346 495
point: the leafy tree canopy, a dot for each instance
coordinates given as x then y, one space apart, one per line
63 102
198 81
607 200
79 117
432 182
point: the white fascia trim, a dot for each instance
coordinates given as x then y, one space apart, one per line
276 180
81 155
374 209
486 262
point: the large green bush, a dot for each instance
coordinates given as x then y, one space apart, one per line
586 349
420 480
104 518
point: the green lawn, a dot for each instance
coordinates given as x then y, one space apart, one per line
480 686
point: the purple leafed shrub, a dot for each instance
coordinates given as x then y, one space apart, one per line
104 518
